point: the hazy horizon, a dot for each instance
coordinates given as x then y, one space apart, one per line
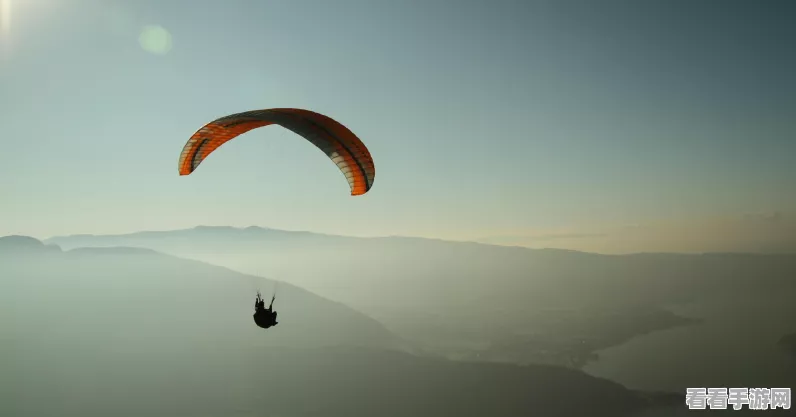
575 125
738 234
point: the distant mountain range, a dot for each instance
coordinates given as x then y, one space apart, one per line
130 331
121 286
443 277
479 301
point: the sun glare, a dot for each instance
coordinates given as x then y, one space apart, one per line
5 16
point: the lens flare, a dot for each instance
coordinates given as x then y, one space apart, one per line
155 40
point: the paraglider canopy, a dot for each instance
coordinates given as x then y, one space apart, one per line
344 148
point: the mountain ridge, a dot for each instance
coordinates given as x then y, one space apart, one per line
307 233
154 274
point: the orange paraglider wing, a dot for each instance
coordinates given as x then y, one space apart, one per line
341 145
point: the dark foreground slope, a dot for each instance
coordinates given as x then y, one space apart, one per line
788 344
58 380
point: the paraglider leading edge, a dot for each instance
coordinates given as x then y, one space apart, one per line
341 145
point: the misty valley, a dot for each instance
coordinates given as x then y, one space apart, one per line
160 323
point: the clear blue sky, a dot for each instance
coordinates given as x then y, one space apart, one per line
485 118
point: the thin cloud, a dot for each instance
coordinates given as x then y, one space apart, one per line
769 232
547 236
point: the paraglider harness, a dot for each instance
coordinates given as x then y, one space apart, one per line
264 317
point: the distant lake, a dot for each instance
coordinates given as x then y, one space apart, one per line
736 346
